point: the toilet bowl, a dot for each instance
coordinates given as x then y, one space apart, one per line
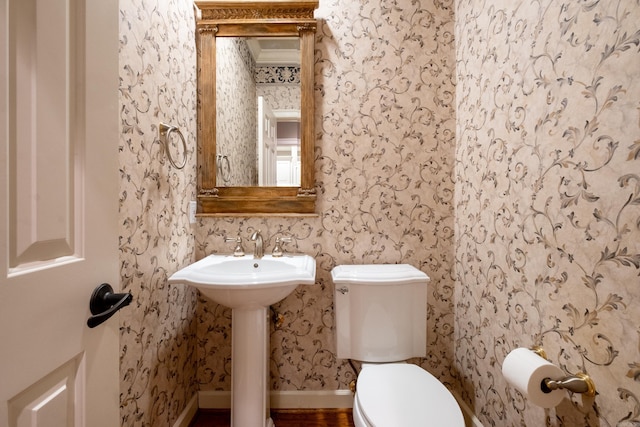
381 321
397 394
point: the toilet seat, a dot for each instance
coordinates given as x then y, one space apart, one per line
399 394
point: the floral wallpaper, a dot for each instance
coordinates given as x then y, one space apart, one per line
503 162
158 330
547 203
281 97
385 151
280 86
278 75
236 121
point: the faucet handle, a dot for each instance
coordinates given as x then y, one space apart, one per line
239 250
277 249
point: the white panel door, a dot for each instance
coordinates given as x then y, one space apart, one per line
267 145
58 211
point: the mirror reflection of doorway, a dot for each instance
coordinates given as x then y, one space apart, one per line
288 154
278 148
267 145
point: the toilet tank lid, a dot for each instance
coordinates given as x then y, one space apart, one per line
378 274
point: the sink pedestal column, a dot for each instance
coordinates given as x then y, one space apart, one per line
249 368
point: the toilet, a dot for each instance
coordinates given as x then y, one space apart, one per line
381 313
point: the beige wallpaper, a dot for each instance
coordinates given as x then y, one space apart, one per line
157 331
236 122
541 186
548 203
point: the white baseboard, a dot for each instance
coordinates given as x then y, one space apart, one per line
339 399
284 399
189 412
214 399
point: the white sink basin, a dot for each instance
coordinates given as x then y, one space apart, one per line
244 282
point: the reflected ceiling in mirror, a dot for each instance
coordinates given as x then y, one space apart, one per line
257 91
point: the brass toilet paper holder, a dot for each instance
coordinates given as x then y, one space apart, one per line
578 383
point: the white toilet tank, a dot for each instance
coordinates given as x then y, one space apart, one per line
380 312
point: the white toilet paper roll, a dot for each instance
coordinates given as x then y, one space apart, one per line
525 370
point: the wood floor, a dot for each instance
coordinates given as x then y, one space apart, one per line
281 418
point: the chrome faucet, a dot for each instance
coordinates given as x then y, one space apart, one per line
259 252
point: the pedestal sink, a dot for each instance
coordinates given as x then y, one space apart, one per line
249 286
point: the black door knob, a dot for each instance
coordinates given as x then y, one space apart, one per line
104 303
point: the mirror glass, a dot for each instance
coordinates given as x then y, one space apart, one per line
258 100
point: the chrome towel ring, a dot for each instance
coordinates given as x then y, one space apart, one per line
163 132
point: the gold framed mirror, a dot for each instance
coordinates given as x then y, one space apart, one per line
249 24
